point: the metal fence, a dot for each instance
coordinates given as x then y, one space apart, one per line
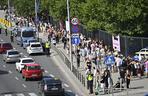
75 71
128 45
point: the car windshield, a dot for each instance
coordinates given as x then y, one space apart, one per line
35 45
31 41
28 34
51 85
34 67
13 53
7 45
27 61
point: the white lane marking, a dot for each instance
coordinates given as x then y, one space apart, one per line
10 71
46 71
25 56
7 95
21 53
16 78
4 66
66 85
32 94
51 75
20 94
68 90
76 95
2 40
24 85
14 48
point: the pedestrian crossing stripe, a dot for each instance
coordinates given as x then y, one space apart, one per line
21 94
7 95
32 94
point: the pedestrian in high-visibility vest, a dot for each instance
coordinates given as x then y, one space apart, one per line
47 48
90 83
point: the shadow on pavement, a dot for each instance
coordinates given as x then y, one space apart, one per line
68 93
2 72
138 87
37 54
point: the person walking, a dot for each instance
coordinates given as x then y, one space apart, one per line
110 83
6 33
47 48
0 30
78 60
128 78
12 37
49 37
90 82
64 40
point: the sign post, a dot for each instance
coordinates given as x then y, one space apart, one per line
75 31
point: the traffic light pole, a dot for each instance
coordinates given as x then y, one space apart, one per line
70 46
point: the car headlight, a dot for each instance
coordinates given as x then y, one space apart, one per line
45 87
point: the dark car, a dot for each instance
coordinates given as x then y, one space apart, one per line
4 46
49 86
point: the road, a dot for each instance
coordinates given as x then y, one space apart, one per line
12 84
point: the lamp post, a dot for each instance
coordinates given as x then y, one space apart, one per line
70 46
36 17
8 8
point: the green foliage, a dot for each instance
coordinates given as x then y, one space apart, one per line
25 7
127 17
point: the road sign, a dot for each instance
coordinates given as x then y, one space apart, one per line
75 29
74 21
75 35
75 40
109 60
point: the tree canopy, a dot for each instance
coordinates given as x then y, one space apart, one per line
126 17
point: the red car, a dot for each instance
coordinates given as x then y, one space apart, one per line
5 46
32 71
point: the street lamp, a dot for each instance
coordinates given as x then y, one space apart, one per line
36 16
70 46
8 8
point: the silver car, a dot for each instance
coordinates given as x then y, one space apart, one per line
11 56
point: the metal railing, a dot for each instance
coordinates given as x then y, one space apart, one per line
75 71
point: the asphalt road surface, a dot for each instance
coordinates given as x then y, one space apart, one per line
11 81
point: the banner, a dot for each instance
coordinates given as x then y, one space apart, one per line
5 22
116 42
